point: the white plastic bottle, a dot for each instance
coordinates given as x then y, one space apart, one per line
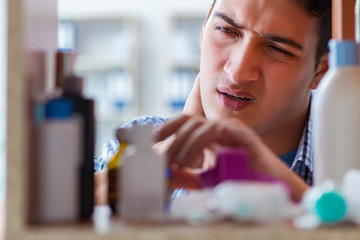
337 115
142 176
57 170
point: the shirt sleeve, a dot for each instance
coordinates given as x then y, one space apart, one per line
111 147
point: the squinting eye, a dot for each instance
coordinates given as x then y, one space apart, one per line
226 30
281 51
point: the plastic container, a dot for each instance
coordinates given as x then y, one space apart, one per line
234 164
58 163
243 201
337 115
142 176
326 203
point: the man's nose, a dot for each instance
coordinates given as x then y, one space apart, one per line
243 63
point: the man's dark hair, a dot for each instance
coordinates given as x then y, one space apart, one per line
320 9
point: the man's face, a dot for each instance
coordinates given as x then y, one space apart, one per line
257 62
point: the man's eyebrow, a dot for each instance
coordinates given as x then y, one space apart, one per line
284 40
270 37
228 20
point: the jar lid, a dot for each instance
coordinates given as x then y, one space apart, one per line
59 108
331 207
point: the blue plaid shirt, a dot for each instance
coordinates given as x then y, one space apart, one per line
302 165
111 146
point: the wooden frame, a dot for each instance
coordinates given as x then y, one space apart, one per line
343 19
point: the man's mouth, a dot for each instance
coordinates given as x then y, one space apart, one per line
235 100
238 98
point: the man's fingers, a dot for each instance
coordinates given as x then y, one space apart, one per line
170 127
199 139
206 134
184 178
182 136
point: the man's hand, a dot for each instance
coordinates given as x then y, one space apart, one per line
194 134
192 107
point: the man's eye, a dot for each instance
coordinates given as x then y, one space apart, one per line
281 51
226 30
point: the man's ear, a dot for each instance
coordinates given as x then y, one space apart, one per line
322 68
206 20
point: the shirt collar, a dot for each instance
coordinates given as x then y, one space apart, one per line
305 149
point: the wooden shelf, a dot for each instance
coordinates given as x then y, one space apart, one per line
226 230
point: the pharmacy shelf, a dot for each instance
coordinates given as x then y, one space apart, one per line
107 56
19 138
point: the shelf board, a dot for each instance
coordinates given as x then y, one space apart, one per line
224 230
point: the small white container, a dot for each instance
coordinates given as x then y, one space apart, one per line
142 176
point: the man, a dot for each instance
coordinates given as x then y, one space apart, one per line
260 59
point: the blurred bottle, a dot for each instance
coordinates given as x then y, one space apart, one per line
64 66
337 114
142 179
59 158
73 90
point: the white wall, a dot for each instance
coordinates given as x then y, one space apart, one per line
3 95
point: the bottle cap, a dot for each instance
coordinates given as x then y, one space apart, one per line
59 109
73 85
64 66
331 207
343 53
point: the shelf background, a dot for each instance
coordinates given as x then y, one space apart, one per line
164 50
107 56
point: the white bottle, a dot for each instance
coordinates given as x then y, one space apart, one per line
57 170
337 115
142 176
